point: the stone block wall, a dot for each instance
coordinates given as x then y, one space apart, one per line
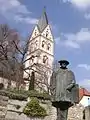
12 110
15 113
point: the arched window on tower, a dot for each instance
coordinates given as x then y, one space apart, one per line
45 59
48 46
35 33
43 43
32 58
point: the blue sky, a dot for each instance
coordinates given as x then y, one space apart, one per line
70 20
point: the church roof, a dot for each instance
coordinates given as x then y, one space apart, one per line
43 21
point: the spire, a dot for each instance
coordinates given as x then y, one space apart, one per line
43 21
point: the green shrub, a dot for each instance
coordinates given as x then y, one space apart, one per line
12 95
33 109
23 94
34 93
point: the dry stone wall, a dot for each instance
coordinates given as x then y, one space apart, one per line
15 109
12 110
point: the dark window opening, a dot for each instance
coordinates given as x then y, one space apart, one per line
48 47
32 58
35 33
45 59
43 44
47 33
36 43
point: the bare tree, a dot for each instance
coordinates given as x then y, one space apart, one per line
13 58
8 51
42 76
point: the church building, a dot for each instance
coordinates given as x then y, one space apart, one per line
41 54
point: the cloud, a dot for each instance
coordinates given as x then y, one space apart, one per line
85 83
85 66
87 16
81 4
74 40
14 10
82 36
70 43
27 20
66 43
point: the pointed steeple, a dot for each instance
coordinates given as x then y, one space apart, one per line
43 21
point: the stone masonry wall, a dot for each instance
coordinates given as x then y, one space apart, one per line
9 111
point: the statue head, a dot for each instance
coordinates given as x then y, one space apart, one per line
63 64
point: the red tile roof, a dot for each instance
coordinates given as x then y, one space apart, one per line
83 92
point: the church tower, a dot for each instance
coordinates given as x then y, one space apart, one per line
41 52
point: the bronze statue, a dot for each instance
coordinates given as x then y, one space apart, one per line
64 90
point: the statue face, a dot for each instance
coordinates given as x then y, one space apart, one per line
63 65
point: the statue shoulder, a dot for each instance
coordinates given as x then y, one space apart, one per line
56 71
70 72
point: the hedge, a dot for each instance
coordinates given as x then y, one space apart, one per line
23 95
